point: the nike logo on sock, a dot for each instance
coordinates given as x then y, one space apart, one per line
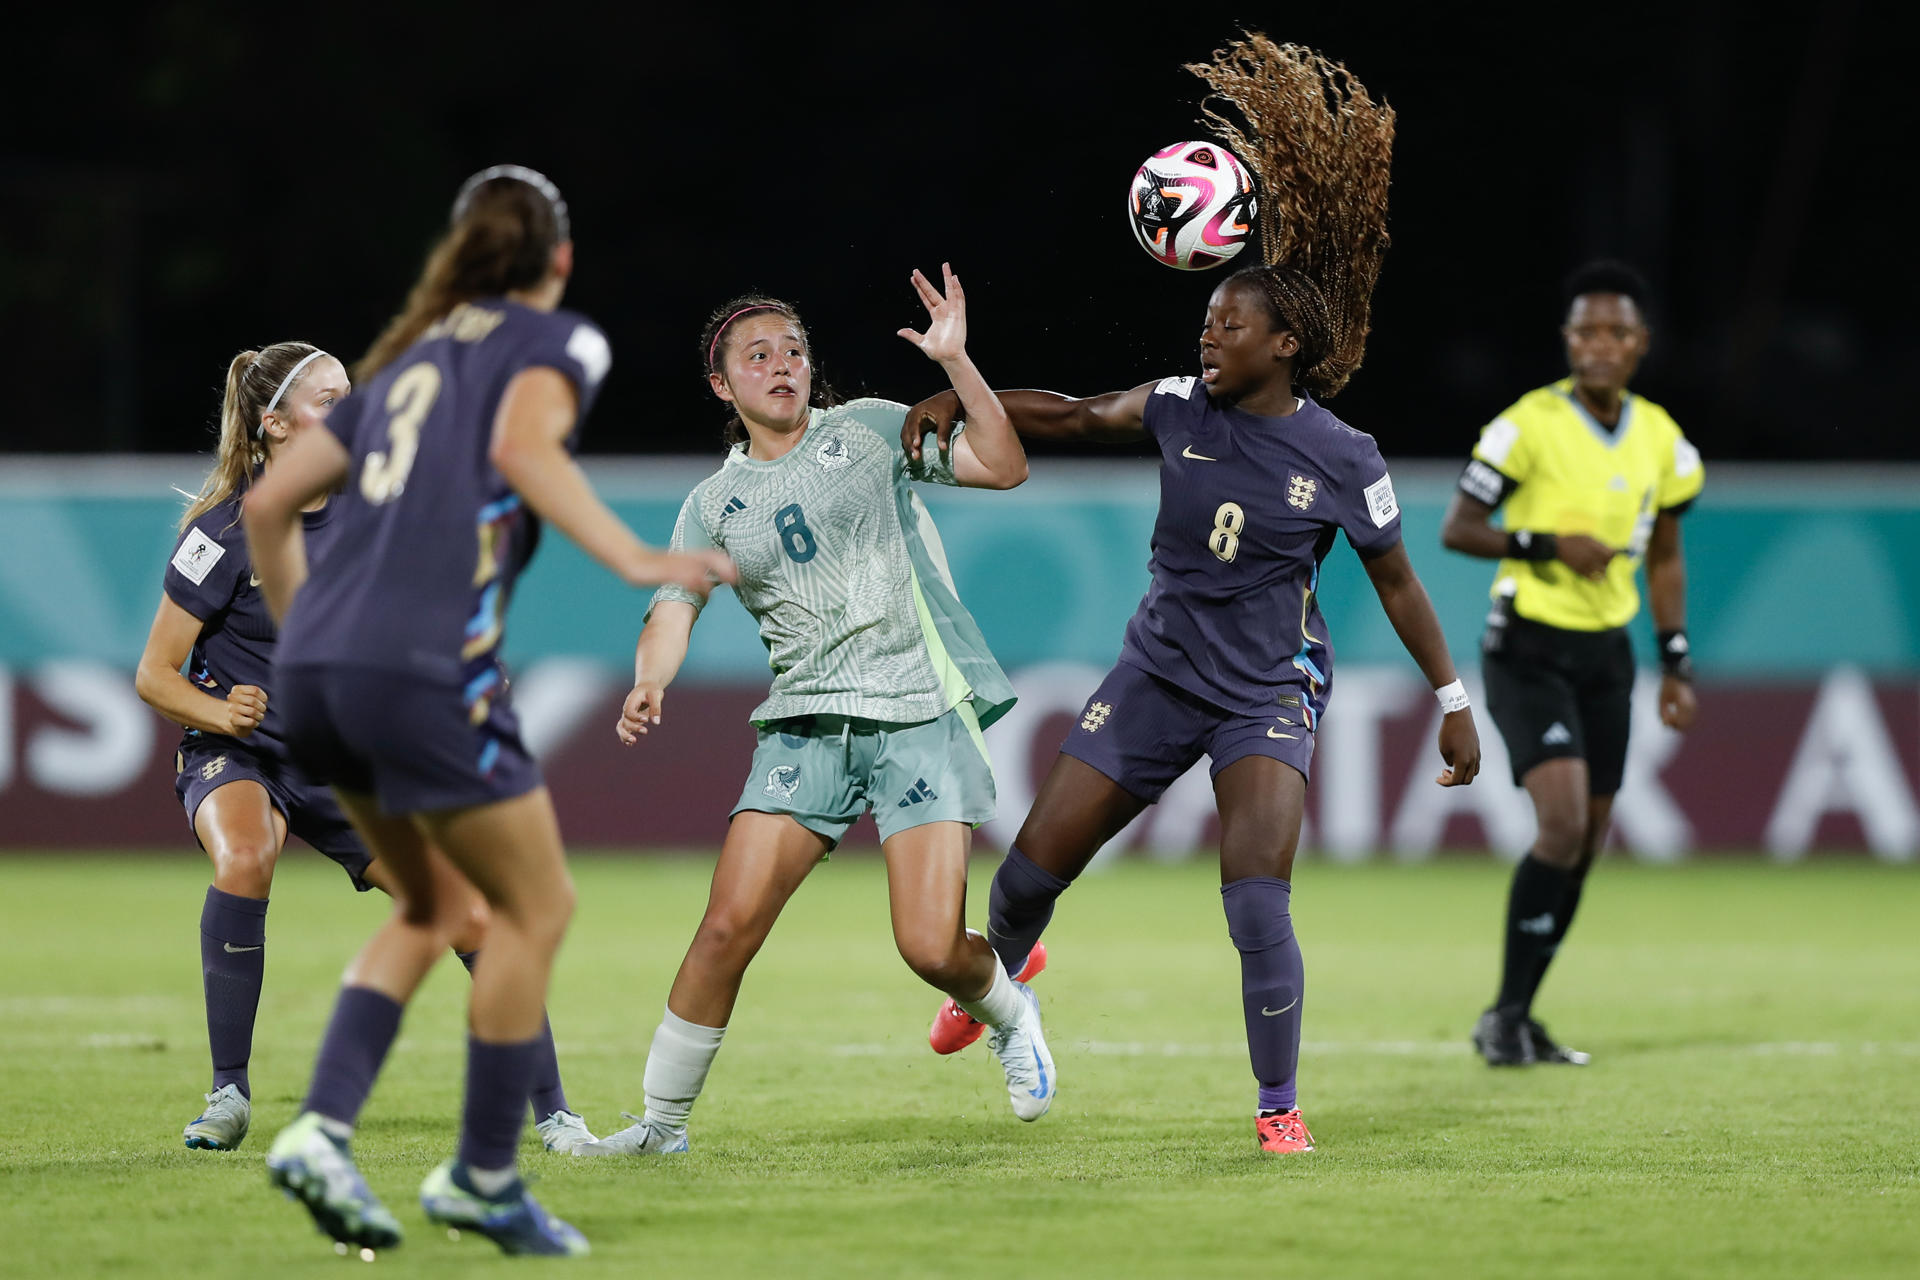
1274 1013
234 951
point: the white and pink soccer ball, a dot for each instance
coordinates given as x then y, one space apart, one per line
1192 205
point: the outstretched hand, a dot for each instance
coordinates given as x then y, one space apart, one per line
946 335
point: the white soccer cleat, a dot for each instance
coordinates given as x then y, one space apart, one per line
564 1132
642 1139
223 1125
1021 1046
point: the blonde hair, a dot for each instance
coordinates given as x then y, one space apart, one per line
1321 148
252 380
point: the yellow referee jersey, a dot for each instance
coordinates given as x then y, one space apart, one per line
1558 470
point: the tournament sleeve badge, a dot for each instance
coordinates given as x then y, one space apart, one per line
1381 504
197 555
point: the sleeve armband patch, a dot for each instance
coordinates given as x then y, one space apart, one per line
589 346
1182 387
1381 504
197 555
1484 484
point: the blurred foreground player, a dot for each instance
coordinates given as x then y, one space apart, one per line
1228 655
1593 479
457 445
882 685
243 796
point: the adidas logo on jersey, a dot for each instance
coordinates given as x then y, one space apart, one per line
1557 735
733 505
918 793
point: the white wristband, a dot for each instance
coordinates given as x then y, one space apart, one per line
1453 697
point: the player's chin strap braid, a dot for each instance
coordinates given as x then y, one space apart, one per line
519 173
1676 657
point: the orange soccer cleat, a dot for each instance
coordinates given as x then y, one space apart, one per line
954 1029
1283 1134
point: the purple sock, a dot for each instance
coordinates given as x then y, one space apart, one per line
1019 906
549 1095
499 1078
1272 982
233 935
363 1028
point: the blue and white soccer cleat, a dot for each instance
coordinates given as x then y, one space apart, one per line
513 1219
564 1132
1021 1046
223 1125
640 1139
315 1168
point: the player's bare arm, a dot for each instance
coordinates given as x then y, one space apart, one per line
1468 529
161 686
1667 594
989 456
1406 604
1113 418
307 466
529 450
656 661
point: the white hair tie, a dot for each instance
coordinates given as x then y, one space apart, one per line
261 430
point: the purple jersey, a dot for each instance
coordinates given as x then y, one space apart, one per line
211 577
1248 509
431 537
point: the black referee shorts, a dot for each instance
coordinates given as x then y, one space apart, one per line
1558 694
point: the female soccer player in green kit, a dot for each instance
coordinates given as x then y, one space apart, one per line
882 684
1594 480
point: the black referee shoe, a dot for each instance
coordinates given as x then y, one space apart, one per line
1545 1050
1503 1039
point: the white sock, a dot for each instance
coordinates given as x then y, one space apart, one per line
1001 1004
491 1182
677 1068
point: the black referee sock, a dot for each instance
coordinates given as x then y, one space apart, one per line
1535 906
1563 918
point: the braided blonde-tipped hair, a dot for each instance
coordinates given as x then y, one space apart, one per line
1320 148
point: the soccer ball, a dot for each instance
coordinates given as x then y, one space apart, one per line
1191 205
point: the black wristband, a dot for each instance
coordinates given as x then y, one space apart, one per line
1525 544
1676 658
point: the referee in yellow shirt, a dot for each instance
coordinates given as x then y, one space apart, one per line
1593 480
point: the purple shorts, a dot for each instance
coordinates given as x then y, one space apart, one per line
411 744
1143 732
201 768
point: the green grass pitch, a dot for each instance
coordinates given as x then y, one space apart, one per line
1753 1109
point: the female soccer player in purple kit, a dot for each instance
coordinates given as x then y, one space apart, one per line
457 445
1228 655
242 794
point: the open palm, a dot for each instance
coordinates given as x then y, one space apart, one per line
946 335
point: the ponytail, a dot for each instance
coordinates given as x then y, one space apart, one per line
254 380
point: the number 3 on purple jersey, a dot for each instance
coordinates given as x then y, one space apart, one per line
384 477
791 523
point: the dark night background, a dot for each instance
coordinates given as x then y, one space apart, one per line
187 179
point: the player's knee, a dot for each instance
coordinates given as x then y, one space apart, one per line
727 940
939 962
245 867
469 926
1562 839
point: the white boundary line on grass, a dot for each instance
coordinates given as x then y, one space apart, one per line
1410 1048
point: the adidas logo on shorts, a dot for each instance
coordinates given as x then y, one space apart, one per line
1557 735
918 792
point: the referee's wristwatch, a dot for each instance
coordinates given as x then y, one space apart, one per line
1676 658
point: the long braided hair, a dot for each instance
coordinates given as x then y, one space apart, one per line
1319 147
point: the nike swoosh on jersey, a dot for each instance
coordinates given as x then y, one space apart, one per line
253 579
1275 733
1197 457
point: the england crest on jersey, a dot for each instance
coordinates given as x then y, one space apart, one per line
1301 491
833 454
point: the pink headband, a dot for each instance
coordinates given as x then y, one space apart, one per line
715 344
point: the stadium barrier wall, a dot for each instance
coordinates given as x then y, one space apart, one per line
1804 599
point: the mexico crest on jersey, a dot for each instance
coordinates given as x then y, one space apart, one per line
833 453
1301 491
783 780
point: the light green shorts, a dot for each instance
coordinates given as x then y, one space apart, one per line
825 771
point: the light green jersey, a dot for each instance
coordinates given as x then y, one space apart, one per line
842 568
